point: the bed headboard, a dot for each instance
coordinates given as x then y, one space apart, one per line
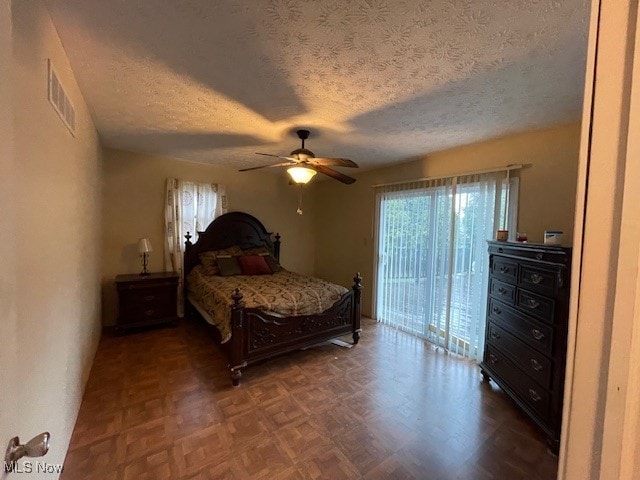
233 228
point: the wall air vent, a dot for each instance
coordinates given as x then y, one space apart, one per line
60 101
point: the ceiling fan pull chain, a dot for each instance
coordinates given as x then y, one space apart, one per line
299 210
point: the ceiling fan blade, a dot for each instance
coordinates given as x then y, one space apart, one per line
277 156
333 162
341 177
284 164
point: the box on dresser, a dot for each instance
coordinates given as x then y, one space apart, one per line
145 300
526 329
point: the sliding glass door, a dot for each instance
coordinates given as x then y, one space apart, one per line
432 261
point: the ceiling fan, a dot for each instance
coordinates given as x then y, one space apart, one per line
303 164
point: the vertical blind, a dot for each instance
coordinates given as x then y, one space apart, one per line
432 255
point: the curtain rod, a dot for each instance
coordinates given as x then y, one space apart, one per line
478 172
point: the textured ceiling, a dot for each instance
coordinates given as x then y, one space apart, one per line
378 81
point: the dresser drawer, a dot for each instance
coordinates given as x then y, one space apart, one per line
504 269
531 362
526 389
538 279
527 251
505 292
536 305
529 330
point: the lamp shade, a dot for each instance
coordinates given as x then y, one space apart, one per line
144 245
301 174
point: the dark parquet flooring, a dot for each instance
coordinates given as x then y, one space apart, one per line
159 405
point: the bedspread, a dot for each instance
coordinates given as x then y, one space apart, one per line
283 293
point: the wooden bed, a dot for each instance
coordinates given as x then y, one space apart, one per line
257 335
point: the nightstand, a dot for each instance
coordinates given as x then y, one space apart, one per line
147 300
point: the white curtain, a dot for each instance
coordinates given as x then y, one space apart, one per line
189 207
432 255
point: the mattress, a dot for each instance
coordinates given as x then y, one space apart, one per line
283 294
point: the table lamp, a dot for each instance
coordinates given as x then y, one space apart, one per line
144 247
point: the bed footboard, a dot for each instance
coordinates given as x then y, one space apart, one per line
257 335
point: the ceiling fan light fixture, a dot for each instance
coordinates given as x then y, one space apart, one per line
301 175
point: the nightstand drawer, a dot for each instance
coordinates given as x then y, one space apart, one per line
149 304
139 296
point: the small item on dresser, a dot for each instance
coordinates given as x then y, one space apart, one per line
521 237
502 235
553 237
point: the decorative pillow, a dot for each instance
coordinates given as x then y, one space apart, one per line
208 259
228 265
254 265
273 263
262 251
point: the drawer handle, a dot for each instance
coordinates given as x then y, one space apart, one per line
148 298
497 311
493 359
535 365
539 256
149 312
532 304
537 334
495 335
504 269
535 396
502 291
500 250
535 278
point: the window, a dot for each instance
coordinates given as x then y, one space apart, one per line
189 207
432 255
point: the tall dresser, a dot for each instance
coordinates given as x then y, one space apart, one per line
526 331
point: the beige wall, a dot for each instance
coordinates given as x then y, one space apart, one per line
56 224
344 224
133 207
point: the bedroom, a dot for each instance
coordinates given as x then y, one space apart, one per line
93 242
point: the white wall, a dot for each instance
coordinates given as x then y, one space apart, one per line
55 220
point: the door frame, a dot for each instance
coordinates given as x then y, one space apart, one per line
601 423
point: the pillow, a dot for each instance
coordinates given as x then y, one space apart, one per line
228 266
254 265
262 251
208 259
273 263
